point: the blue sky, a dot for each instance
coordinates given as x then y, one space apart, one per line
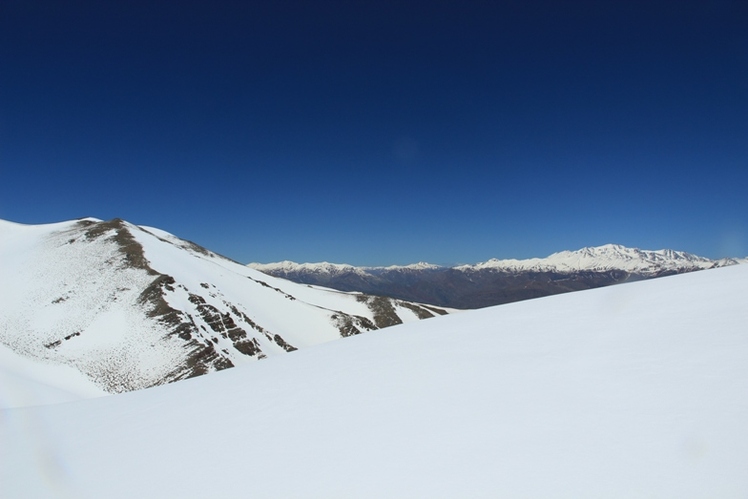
379 133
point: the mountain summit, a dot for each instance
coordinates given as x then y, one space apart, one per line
132 307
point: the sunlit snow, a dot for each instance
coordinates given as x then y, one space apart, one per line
635 390
72 295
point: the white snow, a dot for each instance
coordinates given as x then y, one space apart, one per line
26 382
59 288
634 390
73 299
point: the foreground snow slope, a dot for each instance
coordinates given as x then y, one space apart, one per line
25 381
636 390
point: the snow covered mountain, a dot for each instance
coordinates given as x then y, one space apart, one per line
132 307
335 268
637 390
605 258
498 281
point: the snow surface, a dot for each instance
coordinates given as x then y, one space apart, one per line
26 382
634 390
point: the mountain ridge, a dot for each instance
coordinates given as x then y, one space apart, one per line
614 256
498 281
132 307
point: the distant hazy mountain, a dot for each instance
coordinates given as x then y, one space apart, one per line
131 307
497 281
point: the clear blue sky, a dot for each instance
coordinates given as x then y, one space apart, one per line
379 133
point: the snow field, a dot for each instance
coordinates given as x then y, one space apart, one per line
635 390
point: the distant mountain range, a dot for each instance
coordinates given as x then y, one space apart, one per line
498 281
132 307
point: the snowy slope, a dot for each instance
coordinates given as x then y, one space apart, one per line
132 307
636 390
26 382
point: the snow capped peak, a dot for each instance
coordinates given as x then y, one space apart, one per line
287 266
724 262
412 266
132 307
601 258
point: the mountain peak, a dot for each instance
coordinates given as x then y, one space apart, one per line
133 307
605 257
